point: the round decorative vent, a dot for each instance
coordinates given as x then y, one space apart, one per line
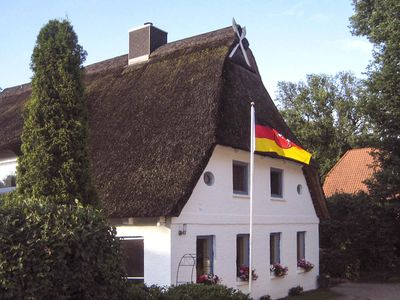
208 178
299 189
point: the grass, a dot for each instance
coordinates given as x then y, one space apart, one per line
320 294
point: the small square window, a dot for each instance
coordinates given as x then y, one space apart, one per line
275 248
276 183
240 178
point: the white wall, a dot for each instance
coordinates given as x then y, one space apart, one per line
157 251
214 210
8 166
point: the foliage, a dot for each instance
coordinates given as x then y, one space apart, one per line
265 297
326 114
244 273
57 251
361 238
186 292
295 291
279 270
54 163
208 279
305 265
379 21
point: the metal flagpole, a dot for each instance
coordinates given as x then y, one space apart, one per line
252 148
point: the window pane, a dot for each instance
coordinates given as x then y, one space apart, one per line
274 246
301 245
276 183
240 178
242 251
133 254
204 255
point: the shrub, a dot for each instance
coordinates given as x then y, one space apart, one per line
204 292
361 238
265 297
295 291
57 252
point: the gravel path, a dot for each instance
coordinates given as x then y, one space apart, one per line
368 291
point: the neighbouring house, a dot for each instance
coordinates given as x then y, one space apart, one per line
349 174
169 131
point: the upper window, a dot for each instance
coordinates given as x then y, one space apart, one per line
276 183
240 178
133 258
242 252
301 245
275 248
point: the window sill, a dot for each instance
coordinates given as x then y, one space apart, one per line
241 282
278 199
243 196
272 276
300 271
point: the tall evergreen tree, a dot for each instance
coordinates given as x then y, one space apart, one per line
325 113
379 21
54 162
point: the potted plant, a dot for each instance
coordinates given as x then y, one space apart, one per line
244 273
278 270
208 279
305 265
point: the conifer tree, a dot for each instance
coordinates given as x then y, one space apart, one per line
54 162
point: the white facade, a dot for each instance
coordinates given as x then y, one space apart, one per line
8 166
215 211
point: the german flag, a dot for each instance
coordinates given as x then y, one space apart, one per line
270 140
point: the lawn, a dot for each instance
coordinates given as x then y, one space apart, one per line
321 294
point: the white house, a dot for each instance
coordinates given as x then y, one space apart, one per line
169 152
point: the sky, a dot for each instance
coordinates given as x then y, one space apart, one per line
289 38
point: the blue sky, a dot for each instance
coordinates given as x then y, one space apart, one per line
288 38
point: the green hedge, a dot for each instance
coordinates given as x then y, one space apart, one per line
58 252
186 292
362 238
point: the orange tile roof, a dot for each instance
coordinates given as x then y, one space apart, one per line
350 172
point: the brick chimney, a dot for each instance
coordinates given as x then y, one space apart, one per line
144 40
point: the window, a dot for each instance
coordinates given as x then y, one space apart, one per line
301 245
275 248
205 255
276 183
242 252
133 257
240 178
7 175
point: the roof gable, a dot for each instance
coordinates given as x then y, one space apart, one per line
153 126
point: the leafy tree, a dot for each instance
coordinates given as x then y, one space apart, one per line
379 21
361 239
54 163
325 113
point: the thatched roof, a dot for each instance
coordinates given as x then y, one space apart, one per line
153 126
